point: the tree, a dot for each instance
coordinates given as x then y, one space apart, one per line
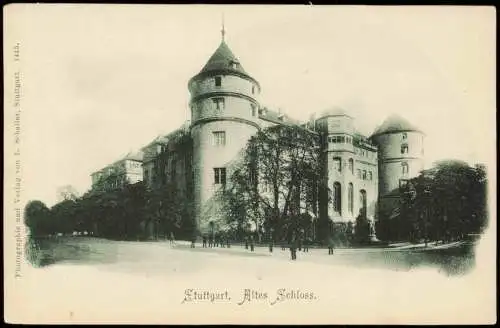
449 202
37 218
276 179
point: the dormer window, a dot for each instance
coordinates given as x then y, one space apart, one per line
405 135
218 81
253 89
233 64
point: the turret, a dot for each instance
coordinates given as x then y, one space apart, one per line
224 115
401 150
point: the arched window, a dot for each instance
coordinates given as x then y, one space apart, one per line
337 164
362 201
350 197
405 168
404 149
351 165
337 198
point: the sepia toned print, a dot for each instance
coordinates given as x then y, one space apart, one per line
284 172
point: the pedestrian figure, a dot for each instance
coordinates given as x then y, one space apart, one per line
204 241
246 242
222 237
251 243
306 245
193 241
210 241
330 246
228 244
172 238
293 247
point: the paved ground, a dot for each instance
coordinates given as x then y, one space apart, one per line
450 261
96 280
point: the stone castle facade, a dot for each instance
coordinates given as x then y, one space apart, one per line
362 172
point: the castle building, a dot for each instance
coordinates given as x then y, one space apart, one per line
226 112
127 170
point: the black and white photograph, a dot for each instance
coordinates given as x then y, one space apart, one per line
249 164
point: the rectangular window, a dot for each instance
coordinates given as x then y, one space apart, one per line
364 174
218 103
359 173
254 110
219 138
337 164
220 175
370 175
218 81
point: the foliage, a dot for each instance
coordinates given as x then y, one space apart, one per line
277 179
122 214
446 202
37 218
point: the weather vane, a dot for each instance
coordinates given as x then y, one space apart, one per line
223 31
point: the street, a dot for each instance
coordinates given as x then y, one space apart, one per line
97 280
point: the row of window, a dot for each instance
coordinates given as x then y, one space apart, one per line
364 152
340 139
362 174
337 198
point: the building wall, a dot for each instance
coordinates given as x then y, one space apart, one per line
237 119
229 84
391 158
207 156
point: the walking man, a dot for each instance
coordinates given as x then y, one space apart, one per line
251 243
293 247
193 240
330 245
221 239
306 244
204 241
172 238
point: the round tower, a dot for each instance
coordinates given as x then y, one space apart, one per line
224 115
401 150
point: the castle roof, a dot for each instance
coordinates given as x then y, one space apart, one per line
276 117
334 111
393 124
223 59
135 156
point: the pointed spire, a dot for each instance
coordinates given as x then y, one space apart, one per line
223 30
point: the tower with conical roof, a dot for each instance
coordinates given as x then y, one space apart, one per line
400 153
224 115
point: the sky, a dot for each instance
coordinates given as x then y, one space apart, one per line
99 81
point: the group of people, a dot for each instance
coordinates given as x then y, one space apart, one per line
216 240
296 241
